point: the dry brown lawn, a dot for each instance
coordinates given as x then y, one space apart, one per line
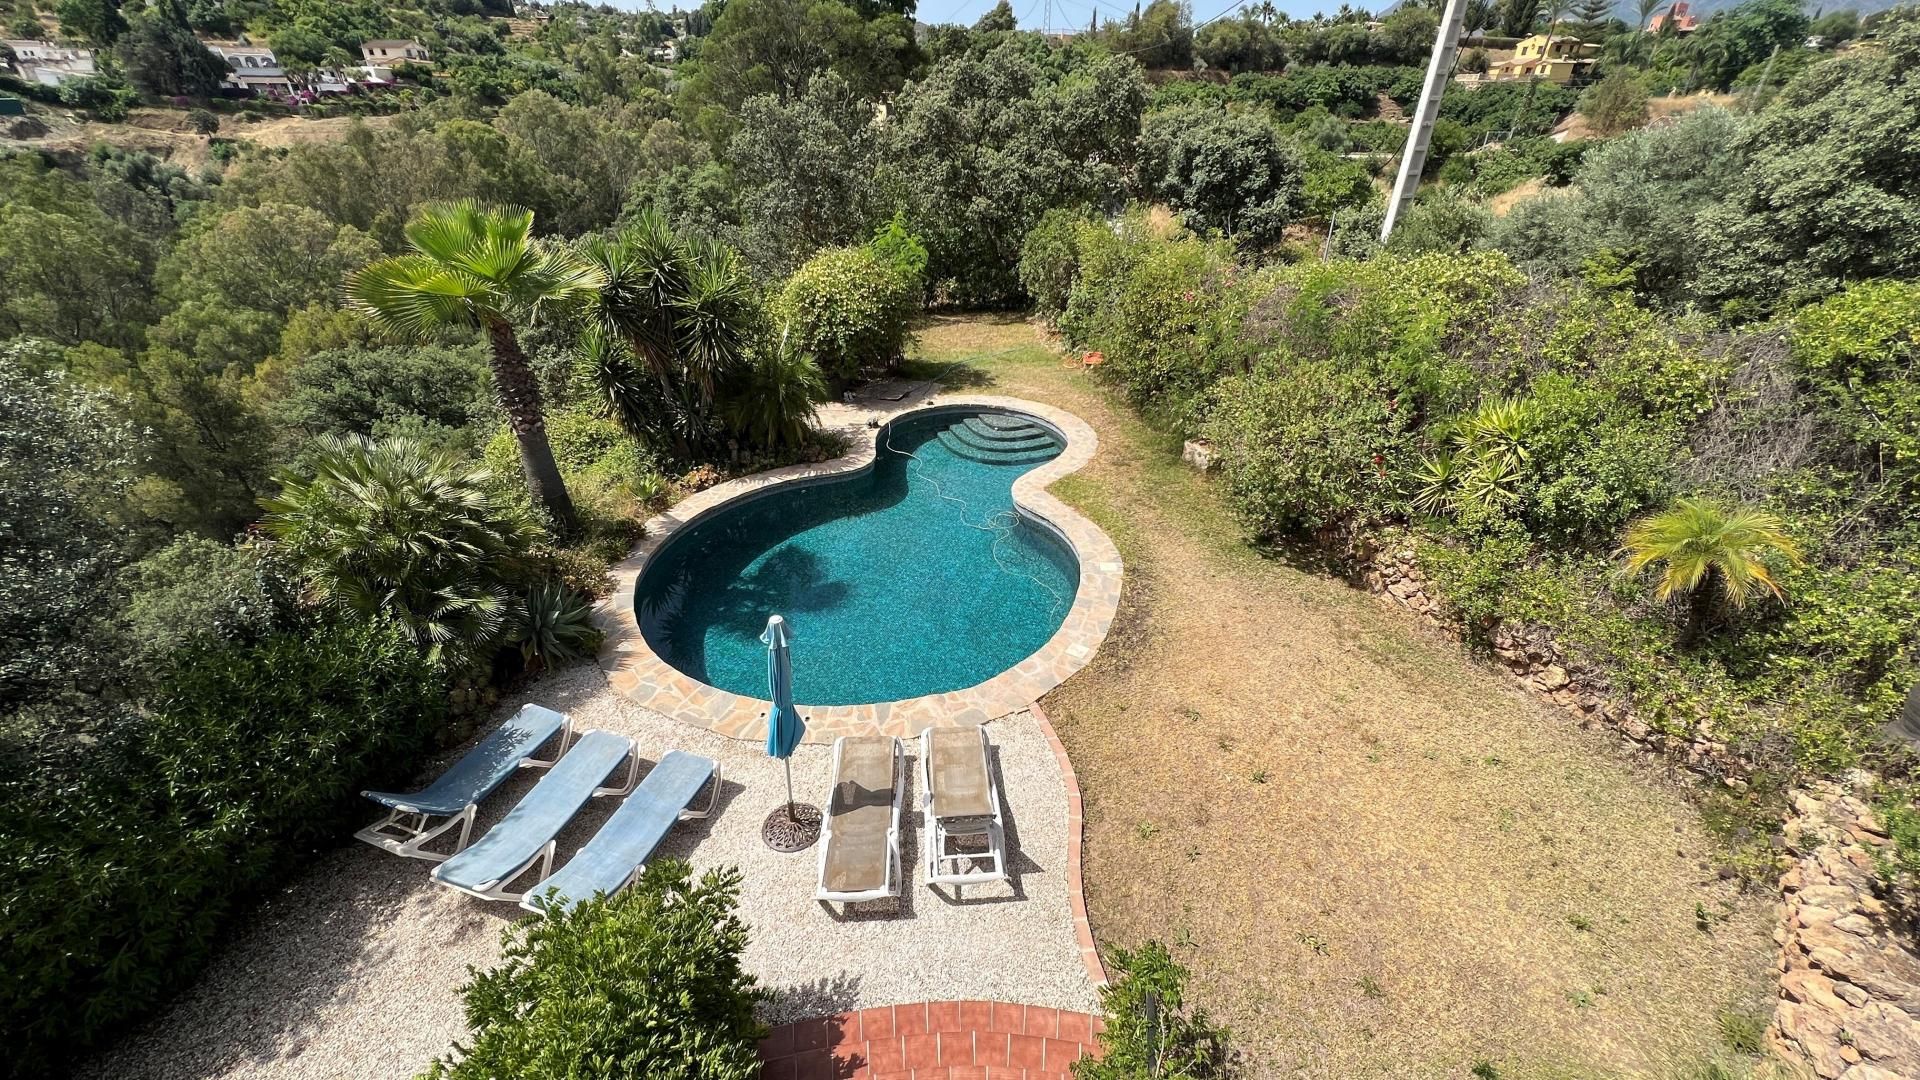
1378 858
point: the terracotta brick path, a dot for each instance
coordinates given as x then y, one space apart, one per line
938 1040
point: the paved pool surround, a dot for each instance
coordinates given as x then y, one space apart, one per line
637 672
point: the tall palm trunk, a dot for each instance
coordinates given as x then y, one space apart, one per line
519 392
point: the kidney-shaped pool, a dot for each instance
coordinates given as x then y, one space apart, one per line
916 576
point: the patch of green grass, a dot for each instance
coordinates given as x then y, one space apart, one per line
1146 829
1580 923
1260 776
1371 988
1743 1031
1484 1070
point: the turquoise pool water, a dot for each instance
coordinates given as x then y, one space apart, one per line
915 577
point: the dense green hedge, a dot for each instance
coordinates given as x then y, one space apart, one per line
1511 431
118 883
849 308
645 984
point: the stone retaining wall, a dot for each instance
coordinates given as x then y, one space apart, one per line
1849 977
1849 999
1531 655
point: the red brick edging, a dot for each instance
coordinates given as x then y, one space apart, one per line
1076 824
936 1040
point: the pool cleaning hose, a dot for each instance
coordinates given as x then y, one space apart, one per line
1001 523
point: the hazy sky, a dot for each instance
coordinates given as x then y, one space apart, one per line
1052 14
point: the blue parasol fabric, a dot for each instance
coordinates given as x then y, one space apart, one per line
784 726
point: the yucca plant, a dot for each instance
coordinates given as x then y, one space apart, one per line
391 527
1711 552
772 403
1486 462
478 266
673 323
555 626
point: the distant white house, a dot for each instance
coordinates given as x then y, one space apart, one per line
252 67
667 52
49 64
389 51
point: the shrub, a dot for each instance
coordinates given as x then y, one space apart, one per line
555 627
647 983
203 121
251 754
1306 447
849 308
1150 1030
1050 259
773 404
196 590
393 529
1615 104
1163 310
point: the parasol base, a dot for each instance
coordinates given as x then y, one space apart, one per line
791 832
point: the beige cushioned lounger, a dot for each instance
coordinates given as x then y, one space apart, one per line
860 848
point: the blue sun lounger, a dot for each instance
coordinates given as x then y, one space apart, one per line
527 833
619 851
458 791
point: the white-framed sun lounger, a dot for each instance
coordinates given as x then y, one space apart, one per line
456 795
619 851
860 838
526 835
959 797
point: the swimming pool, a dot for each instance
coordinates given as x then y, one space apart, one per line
914 577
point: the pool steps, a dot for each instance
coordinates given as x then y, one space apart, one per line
1000 440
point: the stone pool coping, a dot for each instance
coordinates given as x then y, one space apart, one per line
641 675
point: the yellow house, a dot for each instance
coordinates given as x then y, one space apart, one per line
1559 59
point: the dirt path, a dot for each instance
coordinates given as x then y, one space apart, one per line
1378 859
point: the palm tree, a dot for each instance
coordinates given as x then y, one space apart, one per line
1710 551
1642 47
394 528
476 265
684 310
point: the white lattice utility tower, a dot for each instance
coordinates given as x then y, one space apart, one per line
1446 45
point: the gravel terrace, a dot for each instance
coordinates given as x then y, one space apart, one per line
353 969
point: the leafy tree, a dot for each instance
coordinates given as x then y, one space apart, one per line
1836 27
1517 17
477 266
1711 552
988 142
98 21
162 57
1229 172
203 121
1406 36
389 528
1830 194
197 591
1731 42
684 313
1160 37
1638 197
358 391
66 458
998 19
647 983
1615 104
588 157
235 279
1242 44
778 46
806 171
